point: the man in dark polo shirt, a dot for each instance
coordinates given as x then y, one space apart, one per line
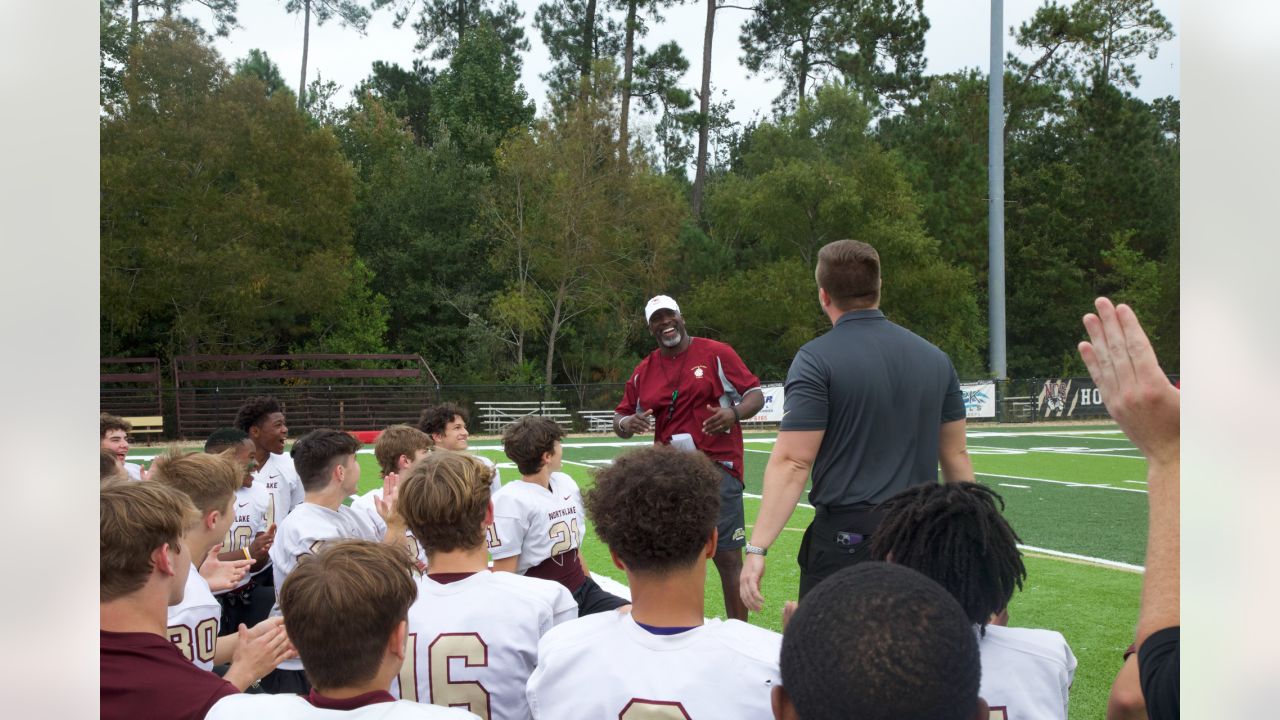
872 408
692 393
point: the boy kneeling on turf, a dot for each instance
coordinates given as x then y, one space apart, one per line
538 523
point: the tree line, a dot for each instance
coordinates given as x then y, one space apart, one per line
433 211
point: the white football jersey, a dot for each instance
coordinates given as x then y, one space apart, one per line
473 642
248 518
193 623
296 707
303 532
607 666
1026 673
134 470
283 488
544 527
364 503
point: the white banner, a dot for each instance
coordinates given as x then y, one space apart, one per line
979 399
772 410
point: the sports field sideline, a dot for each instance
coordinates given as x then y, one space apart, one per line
1076 495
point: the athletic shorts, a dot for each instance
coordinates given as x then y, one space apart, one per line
733 521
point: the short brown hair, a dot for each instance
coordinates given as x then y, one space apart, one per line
849 270
109 422
656 507
399 440
436 418
526 439
209 480
134 519
107 465
341 606
317 453
443 499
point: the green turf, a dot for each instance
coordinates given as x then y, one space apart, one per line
1095 507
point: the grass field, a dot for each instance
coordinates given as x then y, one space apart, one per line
1076 495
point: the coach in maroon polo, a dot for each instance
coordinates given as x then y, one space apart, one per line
693 393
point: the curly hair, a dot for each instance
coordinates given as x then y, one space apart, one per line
877 641
444 499
253 410
527 439
108 422
954 534
435 418
656 507
318 452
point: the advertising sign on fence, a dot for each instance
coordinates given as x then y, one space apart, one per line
772 410
979 399
1070 398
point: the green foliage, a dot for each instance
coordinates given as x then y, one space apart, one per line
224 215
479 97
563 27
442 24
406 93
259 65
1091 39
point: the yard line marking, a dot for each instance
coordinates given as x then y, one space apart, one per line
1024 487
763 452
1058 554
1137 482
1062 482
994 450
1086 437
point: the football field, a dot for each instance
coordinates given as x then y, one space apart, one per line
1075 494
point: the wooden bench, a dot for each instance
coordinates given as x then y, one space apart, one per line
495 416
146 424
598 420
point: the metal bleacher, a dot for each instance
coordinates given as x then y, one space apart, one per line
496 415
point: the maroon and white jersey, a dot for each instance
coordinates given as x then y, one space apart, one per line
1026 673
607 666
297 707
364 503
248 519
543 526
193 623
304 532
279 481
473 640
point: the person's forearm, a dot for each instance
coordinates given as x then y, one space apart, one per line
617 426
225 648
956 467
784 481
240 677
752 403
1160 583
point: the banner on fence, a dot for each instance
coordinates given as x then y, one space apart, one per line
1070 398
979 398
772 410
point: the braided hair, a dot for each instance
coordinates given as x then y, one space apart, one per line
955 534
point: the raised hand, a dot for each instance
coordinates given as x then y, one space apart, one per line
222 574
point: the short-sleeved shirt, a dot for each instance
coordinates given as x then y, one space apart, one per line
881 393
1158 664
249 519
370 706
1026 672
142 675
607 666
707 373
194 622
484 627
283 489
543 526
303 532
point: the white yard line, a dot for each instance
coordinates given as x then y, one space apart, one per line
1021 487
1062 482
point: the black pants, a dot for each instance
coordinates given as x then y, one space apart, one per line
592 598
249 606
838 537
286 682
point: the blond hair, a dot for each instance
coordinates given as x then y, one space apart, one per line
399 440
209 480
443 500
134 520
341 606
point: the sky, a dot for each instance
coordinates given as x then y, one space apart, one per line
958 37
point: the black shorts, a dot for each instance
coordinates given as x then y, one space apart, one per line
732 524
592 598
822 552
285 682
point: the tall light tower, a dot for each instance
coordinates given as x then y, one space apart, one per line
995 195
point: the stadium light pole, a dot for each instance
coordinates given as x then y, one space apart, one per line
995 195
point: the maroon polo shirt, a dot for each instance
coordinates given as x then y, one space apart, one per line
142 675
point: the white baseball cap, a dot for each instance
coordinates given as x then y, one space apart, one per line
660 302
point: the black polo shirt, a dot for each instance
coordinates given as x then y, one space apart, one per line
881 393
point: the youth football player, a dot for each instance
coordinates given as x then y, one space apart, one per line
955 535
263 419
326 462
398 447
115 438
348 603
249 536
538 522
446 423
144 563
473 634
656 508
193 624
